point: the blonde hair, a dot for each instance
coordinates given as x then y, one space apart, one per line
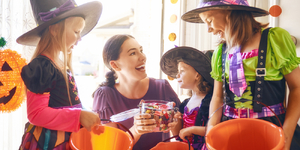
53 45
241 26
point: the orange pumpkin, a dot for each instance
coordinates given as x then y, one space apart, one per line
12 88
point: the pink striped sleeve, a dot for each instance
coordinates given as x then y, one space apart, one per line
39 114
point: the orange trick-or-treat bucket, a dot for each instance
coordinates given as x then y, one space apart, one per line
172 146
177 145
245 134
101 138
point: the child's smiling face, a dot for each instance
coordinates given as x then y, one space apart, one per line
187 76
215 21
74 26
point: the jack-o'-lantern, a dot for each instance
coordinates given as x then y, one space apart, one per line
12 88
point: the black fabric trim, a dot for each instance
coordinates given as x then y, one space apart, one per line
259 82
224 54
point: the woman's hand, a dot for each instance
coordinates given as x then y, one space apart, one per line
143 123
88 119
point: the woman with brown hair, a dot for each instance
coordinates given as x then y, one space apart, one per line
125 58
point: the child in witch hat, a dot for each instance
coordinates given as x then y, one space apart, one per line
252 62
191 68
54 109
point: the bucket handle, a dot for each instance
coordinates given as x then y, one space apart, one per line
243 100
119 124
176 136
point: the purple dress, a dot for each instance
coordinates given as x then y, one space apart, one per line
108 101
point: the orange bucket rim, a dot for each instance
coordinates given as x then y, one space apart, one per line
73 146
225 123
281 141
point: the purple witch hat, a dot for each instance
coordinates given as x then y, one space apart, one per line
48 12
206 5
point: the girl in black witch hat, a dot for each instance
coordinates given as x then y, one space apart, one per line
257 62
54 109
191 68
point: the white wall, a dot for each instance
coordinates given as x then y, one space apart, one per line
147 31
289 18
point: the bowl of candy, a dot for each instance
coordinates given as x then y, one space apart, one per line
161 111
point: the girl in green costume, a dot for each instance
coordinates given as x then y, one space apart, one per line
233 21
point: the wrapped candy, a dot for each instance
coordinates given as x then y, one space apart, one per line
161 111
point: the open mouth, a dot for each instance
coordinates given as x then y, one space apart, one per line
140 68
179 81
220 34
6 99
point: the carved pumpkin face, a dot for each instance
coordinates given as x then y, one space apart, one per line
12 88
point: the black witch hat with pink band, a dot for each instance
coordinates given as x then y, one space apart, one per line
206 5
49 12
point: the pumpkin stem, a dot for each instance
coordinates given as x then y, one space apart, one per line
2 42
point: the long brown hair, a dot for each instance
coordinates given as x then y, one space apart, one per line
204 86
241 26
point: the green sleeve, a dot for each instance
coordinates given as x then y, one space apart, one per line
216 64
283 51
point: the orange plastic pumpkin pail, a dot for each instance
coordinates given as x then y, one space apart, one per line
177 145
172 146
245 134
101 138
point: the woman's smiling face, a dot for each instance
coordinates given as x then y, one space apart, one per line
187 76
131 62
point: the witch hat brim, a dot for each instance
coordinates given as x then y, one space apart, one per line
91 13
199 60
193 15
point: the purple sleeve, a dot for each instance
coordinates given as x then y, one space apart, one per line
101 106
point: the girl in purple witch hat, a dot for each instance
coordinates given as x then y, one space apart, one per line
54 109
191 68
250 71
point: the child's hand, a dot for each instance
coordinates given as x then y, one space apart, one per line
143 123
176 118
176 125
88 119
185 132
